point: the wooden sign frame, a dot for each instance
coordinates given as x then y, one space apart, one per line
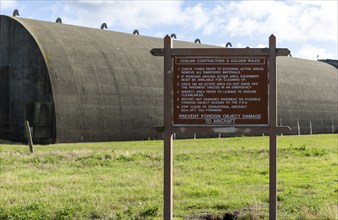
170 128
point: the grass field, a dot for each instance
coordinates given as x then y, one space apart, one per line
224 178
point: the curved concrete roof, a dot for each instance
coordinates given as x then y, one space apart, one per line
107 86
104 83
307 91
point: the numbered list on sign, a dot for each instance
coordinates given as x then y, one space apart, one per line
220 91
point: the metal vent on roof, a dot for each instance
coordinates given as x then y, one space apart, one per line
16 13
104 26
228 44
136 32
58 20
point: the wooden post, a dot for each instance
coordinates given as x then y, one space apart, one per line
273 129
29 137
168 134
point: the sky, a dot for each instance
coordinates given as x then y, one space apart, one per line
307 28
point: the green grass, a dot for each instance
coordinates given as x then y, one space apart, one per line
226 177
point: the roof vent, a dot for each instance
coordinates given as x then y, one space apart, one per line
228 44
197 41
16 13
104 26
58 20
173 36
136 32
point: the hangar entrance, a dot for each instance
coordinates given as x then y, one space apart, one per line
4 101
39 115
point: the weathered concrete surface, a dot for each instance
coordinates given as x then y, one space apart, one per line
307 94
98 85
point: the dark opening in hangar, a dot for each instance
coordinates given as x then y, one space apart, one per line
4 100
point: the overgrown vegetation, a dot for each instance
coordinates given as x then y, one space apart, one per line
224 178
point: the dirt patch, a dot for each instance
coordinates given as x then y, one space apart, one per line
209 216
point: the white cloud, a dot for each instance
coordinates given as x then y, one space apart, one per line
127 14
289 21
8 5
261 45
311 52
195 16
240 45
243 23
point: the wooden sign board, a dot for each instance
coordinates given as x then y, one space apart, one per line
220 90
210 88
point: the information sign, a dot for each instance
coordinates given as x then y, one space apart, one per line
220 90
208 89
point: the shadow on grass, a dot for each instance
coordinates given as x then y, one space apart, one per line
208 216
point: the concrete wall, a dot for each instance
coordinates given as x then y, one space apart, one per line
105 85
307 95
102 85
